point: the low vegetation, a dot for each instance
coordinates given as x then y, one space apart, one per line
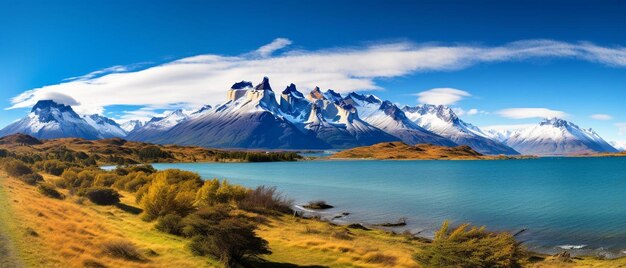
123 250
468 246
50 191
117 151
101 195
402 151
140 217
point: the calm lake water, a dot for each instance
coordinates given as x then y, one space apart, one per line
562 202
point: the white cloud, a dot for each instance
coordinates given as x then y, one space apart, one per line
460 112
60 98
621 128
442 96
277 44
601 117
523 113
203 79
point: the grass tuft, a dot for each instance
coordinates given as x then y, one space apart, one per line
122 250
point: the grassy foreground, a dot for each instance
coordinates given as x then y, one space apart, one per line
45 232
38 231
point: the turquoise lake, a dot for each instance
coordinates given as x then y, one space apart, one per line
562 202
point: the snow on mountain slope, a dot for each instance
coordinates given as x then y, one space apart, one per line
557 137
157 126
337 122
391 119
132 125
619 145
50 120
251 118
503 132
105 126
444 122
294 104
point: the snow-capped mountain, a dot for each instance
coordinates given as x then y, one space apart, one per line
105 126
132 125
251 118
391 119
337 123
201 111
50 120
294 104
157 126
553 137
444 122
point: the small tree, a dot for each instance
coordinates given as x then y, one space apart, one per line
215 232
473 247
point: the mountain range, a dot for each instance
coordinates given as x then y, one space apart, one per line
255 117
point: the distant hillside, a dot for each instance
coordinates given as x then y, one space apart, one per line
120 151
402 151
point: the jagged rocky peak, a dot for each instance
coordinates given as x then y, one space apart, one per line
556 122
315 94
291 90
238 90
262 95
293 102
45 109
332 95
132 125
360 97
441 111
264 85
203 109
391 110
98 119
346 112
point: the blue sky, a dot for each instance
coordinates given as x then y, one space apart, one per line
490 47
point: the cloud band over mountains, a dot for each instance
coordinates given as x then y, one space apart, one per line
203 79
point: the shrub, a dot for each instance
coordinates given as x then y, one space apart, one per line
16 168
53 167
69 179
171 224
213 192
263 199
122 250
105 179
379 258
152 152
231 239
162 197
473 247
31 179
101 195
50 191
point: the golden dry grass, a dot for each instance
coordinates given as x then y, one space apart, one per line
312 242
46 232
61 233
